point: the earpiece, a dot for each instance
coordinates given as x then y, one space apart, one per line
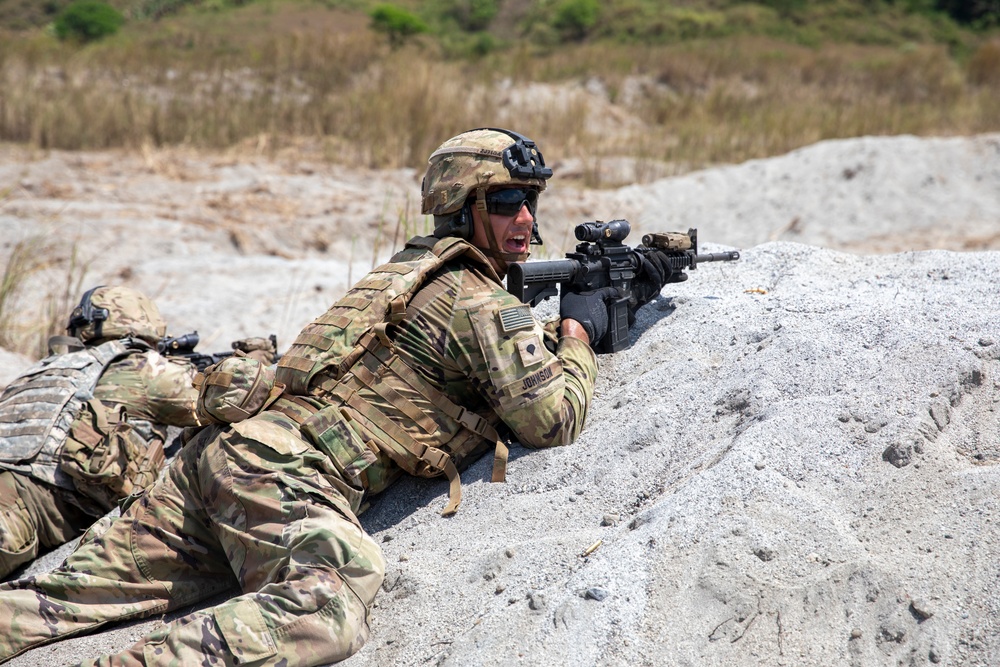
457 224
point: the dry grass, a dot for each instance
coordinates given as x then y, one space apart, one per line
30 315
270 80
21 263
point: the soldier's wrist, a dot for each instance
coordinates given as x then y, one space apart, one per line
573 329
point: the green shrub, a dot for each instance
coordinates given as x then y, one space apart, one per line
575 18
88 20
470 15
483 44
397 23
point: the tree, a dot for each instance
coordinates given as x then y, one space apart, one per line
575 18
984 13
397 23
88 20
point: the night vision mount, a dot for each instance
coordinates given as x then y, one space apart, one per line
86 313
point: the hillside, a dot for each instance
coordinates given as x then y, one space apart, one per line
678 86
794 464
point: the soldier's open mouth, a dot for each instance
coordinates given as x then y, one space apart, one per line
517 243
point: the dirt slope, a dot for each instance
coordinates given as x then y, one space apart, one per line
794 464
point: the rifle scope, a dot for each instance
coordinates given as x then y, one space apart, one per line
616 230
186 342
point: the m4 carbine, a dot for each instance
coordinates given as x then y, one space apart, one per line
183 346
602 260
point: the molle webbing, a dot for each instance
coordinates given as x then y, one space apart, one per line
37 409
330 342
347 357
375 372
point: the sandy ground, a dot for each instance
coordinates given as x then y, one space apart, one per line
794 463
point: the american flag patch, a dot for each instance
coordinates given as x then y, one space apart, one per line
516 318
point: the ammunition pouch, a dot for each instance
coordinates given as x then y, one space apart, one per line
235 389
106 457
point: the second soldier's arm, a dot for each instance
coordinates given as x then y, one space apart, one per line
152 387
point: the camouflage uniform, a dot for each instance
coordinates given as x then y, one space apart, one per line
269 504
80 472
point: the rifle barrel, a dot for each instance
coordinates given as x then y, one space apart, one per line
728 256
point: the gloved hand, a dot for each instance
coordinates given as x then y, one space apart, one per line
653 275
261 349
590 309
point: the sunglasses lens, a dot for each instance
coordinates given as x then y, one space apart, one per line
509 202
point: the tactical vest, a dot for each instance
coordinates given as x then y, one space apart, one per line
347 359
37 409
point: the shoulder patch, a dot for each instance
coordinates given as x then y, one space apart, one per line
531 350
515 318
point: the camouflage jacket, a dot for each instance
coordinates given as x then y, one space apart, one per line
151 387
425 394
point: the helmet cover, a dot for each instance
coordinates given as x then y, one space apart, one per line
486 158
235 389
116 312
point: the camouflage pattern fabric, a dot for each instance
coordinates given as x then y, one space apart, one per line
486 351
94 472
33 517
152 387
130 313
260 505
234 389
258 508
38 407
261 349
468 339
465 162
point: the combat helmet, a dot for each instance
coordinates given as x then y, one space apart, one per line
462 170
116 312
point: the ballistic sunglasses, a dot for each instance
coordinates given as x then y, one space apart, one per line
509 202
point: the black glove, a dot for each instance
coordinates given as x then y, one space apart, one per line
590 310
653 275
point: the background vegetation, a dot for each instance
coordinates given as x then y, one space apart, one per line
671 86
687 83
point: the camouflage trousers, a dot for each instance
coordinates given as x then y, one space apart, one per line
35 517
263 510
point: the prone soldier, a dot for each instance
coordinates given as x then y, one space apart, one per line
420 368
82 429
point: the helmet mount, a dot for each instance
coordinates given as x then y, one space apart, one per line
86 313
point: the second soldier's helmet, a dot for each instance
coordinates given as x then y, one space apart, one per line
485 158
116 312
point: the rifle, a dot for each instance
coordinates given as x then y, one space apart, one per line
602 260
183 346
